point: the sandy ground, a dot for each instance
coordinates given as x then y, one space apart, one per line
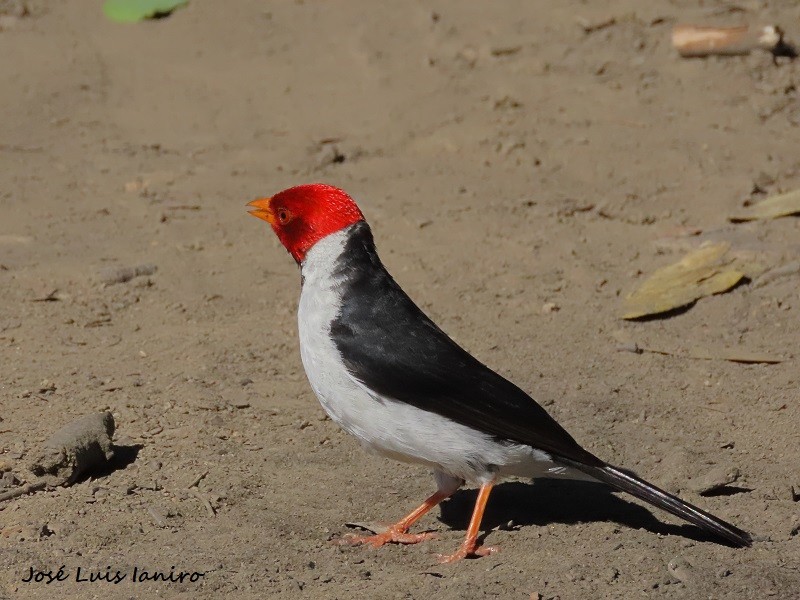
507 160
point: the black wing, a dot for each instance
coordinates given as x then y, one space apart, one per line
430 371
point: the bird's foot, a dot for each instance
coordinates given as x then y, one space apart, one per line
393 535
468 550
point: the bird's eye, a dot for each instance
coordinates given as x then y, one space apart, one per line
284 216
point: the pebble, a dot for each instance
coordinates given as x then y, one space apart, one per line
681 569
239 400
112 275
158 517
468 55
550 307
716 478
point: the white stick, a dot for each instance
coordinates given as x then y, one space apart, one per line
693 40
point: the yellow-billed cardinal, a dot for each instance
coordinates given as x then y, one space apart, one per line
388 375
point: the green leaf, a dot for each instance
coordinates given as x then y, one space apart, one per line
131 11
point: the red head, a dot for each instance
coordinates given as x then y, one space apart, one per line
303 215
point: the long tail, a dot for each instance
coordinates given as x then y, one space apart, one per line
628 482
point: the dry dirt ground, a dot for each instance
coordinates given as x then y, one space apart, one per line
507 160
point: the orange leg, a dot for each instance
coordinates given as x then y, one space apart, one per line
470 546
397 533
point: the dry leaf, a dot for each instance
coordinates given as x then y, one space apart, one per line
781 205
703 272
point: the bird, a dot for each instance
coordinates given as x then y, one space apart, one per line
387 374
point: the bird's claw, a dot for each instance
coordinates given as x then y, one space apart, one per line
467 551
390 536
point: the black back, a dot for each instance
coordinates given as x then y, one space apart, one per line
429 370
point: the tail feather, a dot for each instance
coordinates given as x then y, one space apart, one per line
628 482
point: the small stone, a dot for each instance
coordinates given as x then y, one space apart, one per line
8 480
77 448
158 516
468 55
113 275
550 307
237 399
46 386
713 480
681 569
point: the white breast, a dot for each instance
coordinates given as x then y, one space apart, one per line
392 428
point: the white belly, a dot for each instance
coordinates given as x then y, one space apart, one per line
389 427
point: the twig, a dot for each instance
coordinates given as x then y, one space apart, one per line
589 27
50 297
183 207
22 491
693 40
198 479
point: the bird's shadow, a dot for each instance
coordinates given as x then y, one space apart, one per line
559 501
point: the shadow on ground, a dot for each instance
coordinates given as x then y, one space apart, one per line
124 456
550 501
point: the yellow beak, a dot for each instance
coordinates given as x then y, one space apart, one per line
262 210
